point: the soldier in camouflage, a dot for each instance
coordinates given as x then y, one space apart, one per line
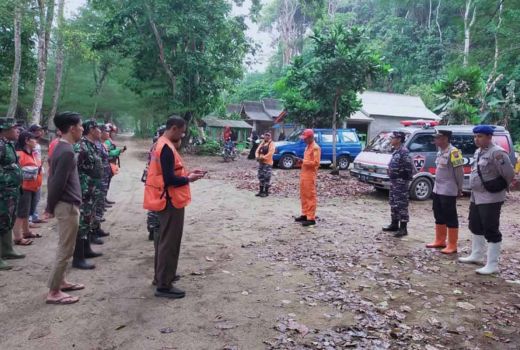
400 171
10 183
101 194
90 168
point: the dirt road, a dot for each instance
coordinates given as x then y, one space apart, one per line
256 280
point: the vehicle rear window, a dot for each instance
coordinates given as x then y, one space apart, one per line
422 143
349 136
464 143
502 141
326 137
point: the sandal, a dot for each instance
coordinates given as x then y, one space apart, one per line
22 241
31 235
72 287
69 299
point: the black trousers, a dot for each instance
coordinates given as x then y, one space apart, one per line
484 219
168 246
445 210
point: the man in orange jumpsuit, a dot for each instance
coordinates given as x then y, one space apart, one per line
310 165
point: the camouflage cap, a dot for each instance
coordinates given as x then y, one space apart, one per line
7 123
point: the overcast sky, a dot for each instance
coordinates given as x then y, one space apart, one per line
264 39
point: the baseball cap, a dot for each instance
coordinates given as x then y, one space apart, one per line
398 135
35 127
306 134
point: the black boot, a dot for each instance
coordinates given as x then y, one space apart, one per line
109 202
78 260
89 253
301 218
403 230
95 239
265 193
260 191
150 236
101 233
393 227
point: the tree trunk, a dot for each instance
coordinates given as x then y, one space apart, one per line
335 170
160 46
59 65
467 29
44 34
15 80
430 16
437 20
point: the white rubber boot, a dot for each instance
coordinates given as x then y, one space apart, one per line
478 250
492 260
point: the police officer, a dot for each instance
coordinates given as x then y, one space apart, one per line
491 175
400 171
10 182
90 169
449 179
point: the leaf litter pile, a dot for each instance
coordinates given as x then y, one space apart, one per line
381 294
285 183
396 298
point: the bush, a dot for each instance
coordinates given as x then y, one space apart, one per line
210 148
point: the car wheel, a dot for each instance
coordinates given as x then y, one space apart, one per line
286 162
343 162
421 189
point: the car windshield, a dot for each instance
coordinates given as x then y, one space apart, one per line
381 143
294 136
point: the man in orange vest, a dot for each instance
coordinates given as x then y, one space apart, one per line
309 173
167 191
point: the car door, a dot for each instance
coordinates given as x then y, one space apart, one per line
423 152
326 145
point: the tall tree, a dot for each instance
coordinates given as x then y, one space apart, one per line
60 57
338 68
15 80
470 16
45 19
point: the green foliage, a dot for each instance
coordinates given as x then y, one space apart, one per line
328 80
460 93
210 148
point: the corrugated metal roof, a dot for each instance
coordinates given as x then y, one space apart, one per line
395 105
360 116
222 123
255 111
272 106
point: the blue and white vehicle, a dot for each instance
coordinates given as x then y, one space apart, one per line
348 147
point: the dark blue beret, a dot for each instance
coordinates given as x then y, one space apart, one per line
484 129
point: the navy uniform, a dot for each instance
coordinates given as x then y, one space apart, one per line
491 175
400 171
449 180
10 183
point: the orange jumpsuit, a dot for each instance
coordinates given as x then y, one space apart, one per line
308 175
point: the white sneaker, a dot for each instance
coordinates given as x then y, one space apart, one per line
492 260
478 250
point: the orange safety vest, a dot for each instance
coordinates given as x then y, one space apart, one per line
31 170
155 193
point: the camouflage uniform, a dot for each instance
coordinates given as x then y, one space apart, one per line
152 218
103 184
400 171
90 168
10 182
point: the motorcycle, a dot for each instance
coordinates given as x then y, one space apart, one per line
229 152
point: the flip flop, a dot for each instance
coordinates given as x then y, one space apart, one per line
73 287
69 299
31 235
31 225
40 221
23 241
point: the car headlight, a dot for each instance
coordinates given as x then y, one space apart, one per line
382 171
